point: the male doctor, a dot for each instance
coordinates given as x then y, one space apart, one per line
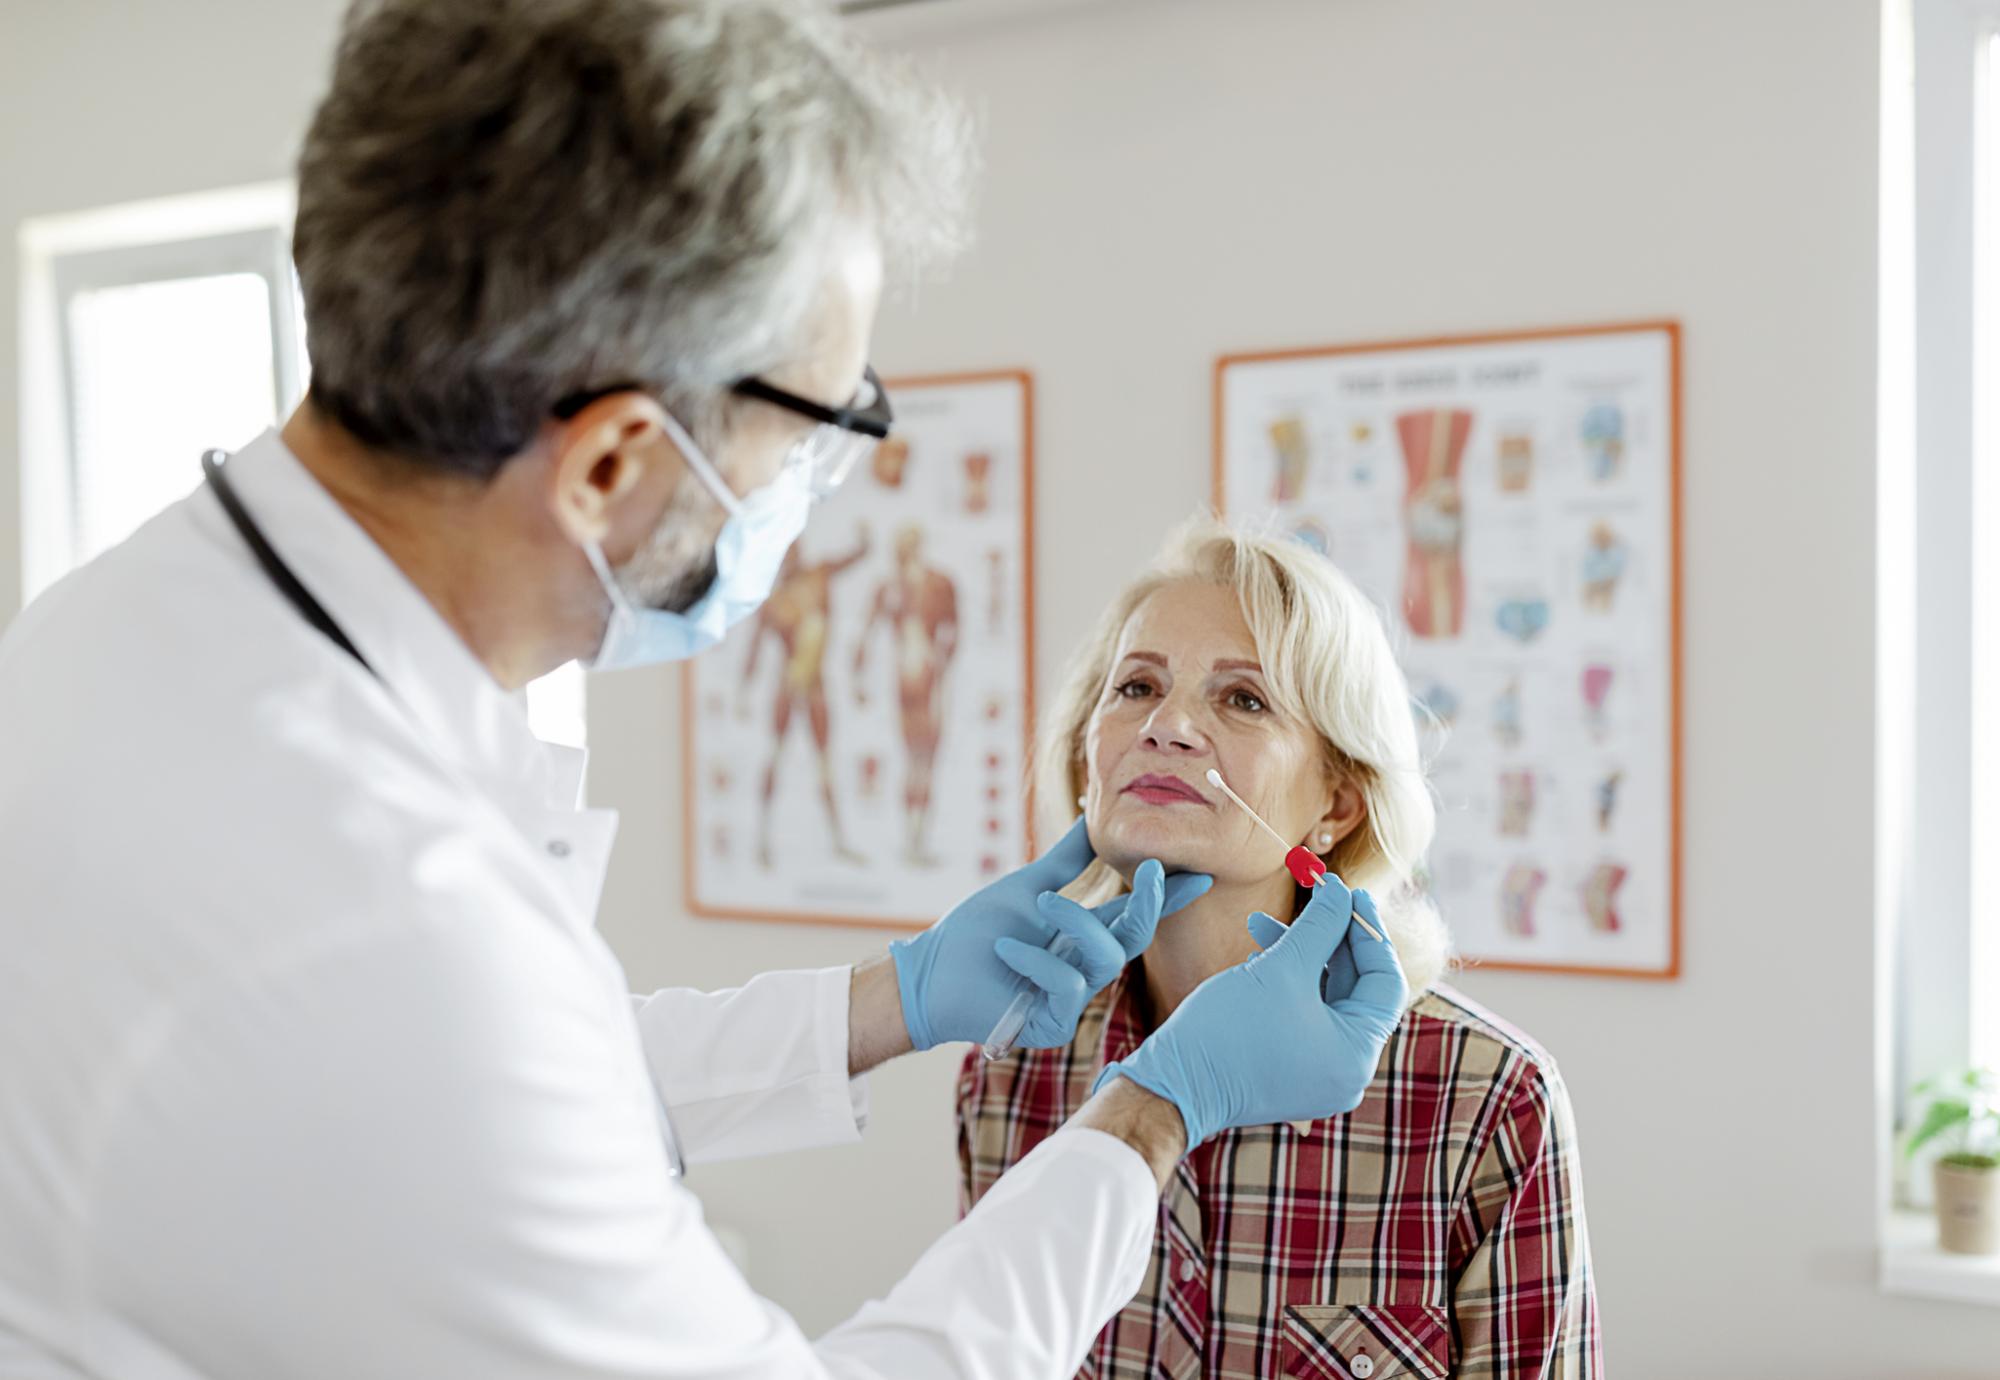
311 1062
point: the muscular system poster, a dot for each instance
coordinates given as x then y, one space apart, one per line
856 753
1511 504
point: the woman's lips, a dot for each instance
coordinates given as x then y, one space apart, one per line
1164 790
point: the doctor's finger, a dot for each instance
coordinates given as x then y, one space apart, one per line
1380 989
1097 952
1059 982
1134 916
1182 888
1145 905
1064 862
1319 928
1338 979
1264 929
1341 974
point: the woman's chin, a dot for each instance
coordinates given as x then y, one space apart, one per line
1124 845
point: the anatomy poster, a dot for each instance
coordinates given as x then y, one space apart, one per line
856 753
1511 504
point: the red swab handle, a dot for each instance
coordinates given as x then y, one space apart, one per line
1306 866
1308 871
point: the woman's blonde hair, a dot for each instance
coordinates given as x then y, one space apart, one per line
1327 663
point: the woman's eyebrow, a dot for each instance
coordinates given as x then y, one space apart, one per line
1150 658
1228 664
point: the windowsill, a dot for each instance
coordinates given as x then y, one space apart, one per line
1912 1264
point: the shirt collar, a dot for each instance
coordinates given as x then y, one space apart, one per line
453 700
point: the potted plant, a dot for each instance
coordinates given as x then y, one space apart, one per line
1966 1105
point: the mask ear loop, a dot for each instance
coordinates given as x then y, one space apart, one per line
595 555
621 607
710 478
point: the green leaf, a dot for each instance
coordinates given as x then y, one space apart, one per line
1944 1113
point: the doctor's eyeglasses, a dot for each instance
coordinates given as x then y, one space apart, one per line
828 453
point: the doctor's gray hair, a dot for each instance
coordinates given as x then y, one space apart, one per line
503 203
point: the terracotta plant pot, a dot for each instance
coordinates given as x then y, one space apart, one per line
1968 1209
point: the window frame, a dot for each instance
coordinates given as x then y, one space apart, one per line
235 230
1957 665
1938 614
263 253
239 230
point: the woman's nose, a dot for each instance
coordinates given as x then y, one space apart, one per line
1174 729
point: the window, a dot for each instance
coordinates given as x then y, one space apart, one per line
153 332
1952 1000
1983 1024
1938 619
167 351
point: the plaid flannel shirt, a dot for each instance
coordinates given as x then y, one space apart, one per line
1436 1230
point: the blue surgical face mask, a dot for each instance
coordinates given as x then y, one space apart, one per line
748 553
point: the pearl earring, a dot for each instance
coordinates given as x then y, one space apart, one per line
1325 842
1079 802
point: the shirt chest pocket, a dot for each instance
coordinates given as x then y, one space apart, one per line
1365 1341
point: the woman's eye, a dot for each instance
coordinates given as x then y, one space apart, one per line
1247 702
1133 690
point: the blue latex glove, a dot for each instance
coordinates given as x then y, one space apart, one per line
959 975
1290 1035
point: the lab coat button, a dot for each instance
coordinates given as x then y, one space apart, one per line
558 848
1187 1271
1361 1367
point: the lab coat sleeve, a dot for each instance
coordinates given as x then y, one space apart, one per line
1021 1286
434 1151
756 1069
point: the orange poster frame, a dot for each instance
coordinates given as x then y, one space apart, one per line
689 853
1671 328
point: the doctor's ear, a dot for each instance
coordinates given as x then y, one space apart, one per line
610 469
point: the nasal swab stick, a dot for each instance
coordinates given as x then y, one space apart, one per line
1215 780
1304 864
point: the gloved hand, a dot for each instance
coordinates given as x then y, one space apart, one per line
959 975
1261 1042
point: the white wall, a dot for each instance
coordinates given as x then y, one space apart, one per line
1171 179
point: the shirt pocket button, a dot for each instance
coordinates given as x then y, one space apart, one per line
1361 1367
1187 1271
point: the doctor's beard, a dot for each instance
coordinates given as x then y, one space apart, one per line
676 565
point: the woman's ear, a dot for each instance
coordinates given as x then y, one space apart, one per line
1342 817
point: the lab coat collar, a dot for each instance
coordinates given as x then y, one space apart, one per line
462 712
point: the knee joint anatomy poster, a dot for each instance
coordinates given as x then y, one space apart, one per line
1512 505
856 752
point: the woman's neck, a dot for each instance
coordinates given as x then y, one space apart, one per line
1208 935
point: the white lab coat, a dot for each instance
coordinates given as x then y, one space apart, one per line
313 1065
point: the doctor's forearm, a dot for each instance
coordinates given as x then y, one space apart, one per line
875 1029
1144 1120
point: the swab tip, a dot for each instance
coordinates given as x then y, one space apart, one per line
1214 777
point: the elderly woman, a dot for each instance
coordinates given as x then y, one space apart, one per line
1436 1230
